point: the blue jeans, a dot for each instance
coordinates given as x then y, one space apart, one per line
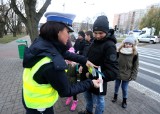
99 100
124 86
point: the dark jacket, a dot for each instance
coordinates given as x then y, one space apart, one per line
53 73
86 47
128 66
79 46
103 53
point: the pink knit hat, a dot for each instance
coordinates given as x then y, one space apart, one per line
71 50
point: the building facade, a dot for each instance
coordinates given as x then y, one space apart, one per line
130 21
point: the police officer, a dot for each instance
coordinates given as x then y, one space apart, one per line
44 77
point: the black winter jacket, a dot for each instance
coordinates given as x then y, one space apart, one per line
53 73
103 53
79 46
86 47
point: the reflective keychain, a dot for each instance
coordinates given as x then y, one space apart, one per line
93 71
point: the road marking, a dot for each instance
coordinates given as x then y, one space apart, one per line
150 54
148 92
149 64
141 48
149 78
151 71
150 57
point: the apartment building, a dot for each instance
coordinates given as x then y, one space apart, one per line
131 20
128 21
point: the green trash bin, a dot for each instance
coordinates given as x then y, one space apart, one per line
21 47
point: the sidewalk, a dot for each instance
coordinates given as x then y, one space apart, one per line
11 85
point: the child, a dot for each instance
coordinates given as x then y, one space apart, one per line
71 73
128 65
102 52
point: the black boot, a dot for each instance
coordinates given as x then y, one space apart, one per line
115 98
124 103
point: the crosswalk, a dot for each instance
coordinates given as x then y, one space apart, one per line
148 80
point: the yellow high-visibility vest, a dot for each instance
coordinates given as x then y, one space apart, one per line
37 96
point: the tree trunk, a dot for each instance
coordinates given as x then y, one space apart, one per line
14 34
1 34
5 32
32 29
1 29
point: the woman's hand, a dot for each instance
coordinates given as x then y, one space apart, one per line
73 64
80 69
89 64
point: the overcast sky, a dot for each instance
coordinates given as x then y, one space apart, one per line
91 8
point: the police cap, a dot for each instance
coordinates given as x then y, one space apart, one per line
64 18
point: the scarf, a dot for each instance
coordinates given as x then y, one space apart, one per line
126 51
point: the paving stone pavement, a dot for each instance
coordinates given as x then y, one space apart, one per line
11 86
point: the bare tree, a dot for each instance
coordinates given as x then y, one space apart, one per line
13 22
83 26
2 23
2 20
31 17
86 24
89 23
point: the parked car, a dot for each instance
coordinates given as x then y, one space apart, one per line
149 39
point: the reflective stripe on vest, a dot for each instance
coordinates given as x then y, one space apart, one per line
37 96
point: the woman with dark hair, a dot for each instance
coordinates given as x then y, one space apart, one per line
44 76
